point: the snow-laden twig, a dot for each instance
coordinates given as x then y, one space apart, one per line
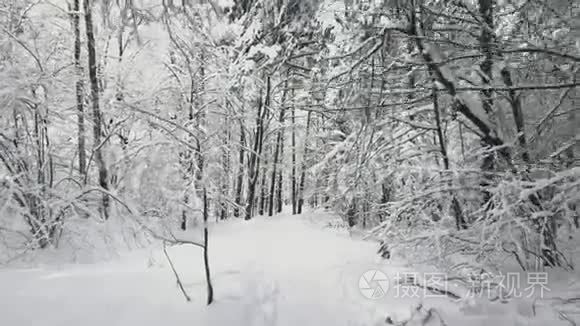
177 279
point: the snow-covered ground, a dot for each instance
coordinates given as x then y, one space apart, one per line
270 271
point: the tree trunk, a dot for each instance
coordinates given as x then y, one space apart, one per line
304 157
277 155
79 89
263 201
279 199
274 174
240 181
41 212
460 222
516 106
254 164
187 157
570 156
485 44
97 116
226 162
206 247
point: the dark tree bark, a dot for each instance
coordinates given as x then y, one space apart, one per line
187 157
279 198
274 174
254 163
79 89
201 178
277 154
226 162
516 106
97 114
304 158
460 222
263 200
42 213
206 247
570 155
240 176
485 43
279 194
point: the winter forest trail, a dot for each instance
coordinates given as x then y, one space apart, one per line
283 270
270 271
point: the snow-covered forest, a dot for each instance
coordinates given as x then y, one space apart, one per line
217 162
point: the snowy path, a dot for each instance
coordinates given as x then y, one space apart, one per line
278 271
270 271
